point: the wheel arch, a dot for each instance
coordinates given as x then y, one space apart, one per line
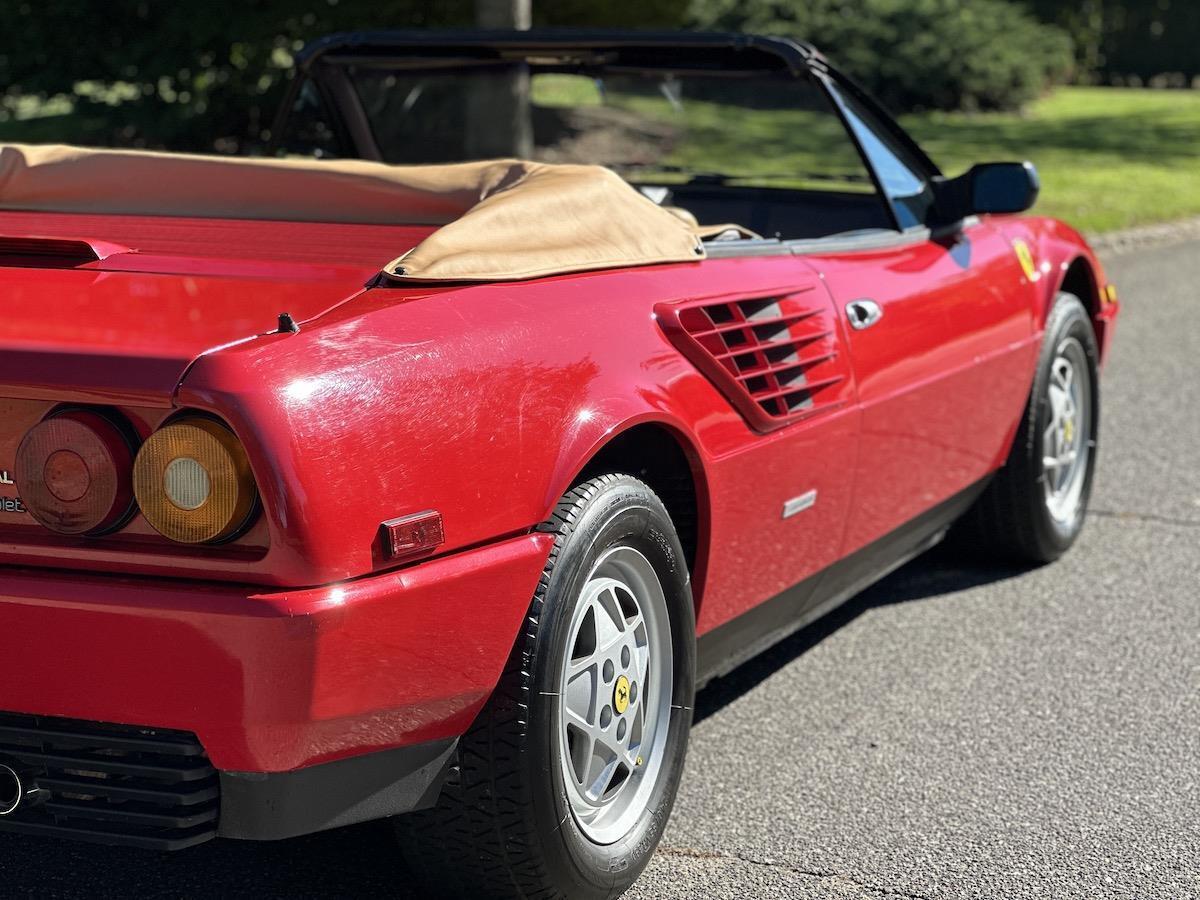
660 454
1065 263
1079 278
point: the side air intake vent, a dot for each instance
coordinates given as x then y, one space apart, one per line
108 784
775 358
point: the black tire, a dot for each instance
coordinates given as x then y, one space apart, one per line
503 826
1011 520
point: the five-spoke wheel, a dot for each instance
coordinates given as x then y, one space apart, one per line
1034 508
1066 438
564 783
615 694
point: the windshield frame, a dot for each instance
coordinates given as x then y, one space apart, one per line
326 62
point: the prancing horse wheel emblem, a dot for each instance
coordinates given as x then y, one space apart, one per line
621 695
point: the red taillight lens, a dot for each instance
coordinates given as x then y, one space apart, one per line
75 473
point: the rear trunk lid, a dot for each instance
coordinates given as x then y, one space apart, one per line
120 319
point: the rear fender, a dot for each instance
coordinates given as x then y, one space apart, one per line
484 403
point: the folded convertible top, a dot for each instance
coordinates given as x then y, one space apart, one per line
500 220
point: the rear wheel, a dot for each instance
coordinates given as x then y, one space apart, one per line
1035 506
565 781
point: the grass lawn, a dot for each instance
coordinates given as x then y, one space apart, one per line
1109 157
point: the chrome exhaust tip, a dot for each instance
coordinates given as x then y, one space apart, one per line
16 790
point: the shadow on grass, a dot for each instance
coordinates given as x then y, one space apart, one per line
1133 137
1148 135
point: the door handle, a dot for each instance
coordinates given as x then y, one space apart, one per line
863 313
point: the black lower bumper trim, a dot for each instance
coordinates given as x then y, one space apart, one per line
179 840
267 807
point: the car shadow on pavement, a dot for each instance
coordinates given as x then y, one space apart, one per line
362 861
941 571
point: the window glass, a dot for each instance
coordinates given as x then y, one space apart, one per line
907 189
307 130
762 149
761 128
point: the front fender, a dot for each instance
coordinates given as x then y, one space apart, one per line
1063 260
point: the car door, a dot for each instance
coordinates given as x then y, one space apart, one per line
941 339
777 484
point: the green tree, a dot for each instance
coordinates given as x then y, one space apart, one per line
610 13
186 76
208 76
1115 38
914 54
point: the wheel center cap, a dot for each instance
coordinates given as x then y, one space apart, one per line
621 695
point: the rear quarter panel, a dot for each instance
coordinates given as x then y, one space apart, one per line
483 402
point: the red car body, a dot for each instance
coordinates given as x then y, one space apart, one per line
300 644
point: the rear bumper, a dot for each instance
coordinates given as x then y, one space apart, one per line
268 807
271 684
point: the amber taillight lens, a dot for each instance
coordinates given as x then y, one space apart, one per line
193 482
74 472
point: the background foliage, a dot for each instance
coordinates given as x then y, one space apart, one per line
917 54
1130 41
208 74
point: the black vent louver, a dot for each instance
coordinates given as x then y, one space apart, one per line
110 784
45 253
775 358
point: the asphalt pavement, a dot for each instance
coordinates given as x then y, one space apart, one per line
955 732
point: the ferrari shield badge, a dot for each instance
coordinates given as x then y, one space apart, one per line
1025 258
621 695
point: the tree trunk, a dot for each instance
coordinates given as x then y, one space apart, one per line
499 121
503 14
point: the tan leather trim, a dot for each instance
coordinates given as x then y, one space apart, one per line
501 219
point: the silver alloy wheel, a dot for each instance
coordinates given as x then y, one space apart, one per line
1066 442
615 695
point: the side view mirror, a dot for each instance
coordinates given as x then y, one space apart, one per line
1000 187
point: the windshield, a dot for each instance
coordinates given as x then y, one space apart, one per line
771 129
764 149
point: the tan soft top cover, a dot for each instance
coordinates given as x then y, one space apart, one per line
500 220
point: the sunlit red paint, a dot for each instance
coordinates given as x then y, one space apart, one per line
304 639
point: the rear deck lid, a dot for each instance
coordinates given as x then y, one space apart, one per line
118 318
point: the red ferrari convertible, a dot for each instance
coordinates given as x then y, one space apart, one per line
426 467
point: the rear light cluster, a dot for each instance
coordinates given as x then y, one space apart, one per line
74 470
193 482
81 472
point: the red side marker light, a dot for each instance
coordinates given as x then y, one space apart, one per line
413 535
